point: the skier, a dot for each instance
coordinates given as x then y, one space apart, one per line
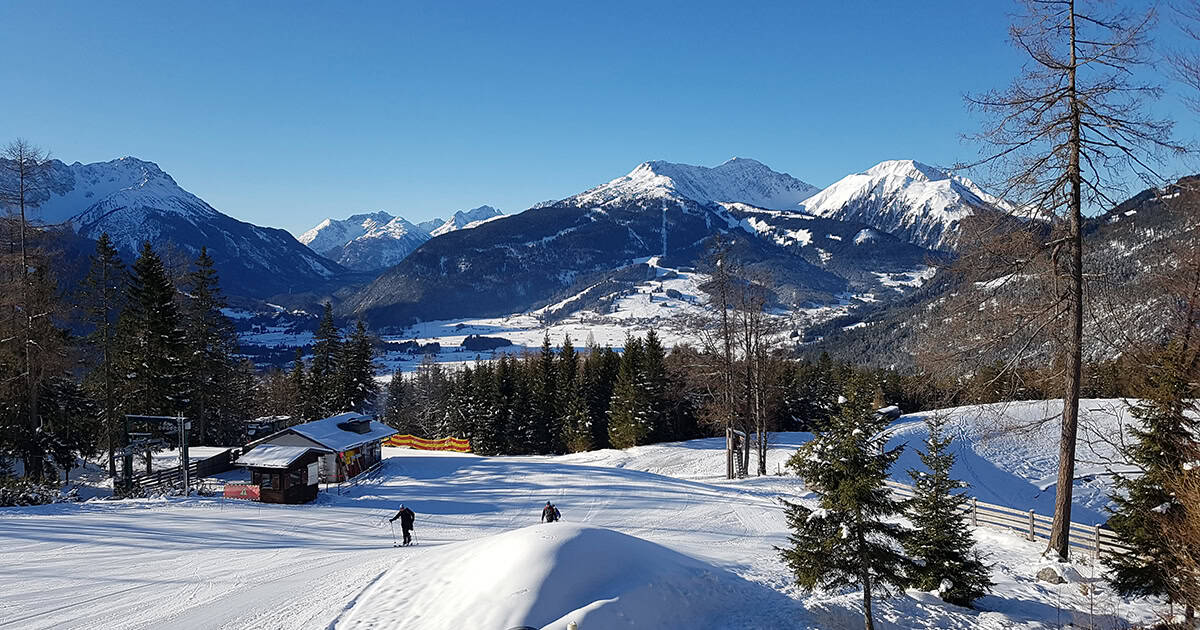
406 517
550 513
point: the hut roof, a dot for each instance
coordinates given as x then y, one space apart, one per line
343 431
274 455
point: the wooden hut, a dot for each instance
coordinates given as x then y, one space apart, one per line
352 442
284 474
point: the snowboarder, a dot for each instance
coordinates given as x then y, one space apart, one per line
406 517
550 513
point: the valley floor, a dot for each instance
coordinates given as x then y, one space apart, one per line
215 563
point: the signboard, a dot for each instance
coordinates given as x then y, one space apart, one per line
313 473
241 491
138 447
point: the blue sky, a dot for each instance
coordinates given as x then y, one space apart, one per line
285 113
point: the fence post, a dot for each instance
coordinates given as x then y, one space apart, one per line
1032 531
974 512
1096 540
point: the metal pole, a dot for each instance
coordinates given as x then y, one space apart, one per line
127 460
184 461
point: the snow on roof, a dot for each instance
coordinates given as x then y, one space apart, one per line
327 433
274 455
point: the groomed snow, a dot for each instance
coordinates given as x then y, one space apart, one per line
215 563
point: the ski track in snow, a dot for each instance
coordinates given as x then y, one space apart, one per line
216 563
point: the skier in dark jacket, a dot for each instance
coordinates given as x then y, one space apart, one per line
406 517
550 513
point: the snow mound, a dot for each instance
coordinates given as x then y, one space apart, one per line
548 575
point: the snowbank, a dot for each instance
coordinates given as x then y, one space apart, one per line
1008 452
548 575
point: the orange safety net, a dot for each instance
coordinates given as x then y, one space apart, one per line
444 444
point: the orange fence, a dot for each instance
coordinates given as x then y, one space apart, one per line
445 444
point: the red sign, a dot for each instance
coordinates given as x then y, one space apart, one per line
241 491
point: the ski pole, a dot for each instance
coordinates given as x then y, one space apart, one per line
393 534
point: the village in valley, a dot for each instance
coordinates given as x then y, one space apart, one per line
952 394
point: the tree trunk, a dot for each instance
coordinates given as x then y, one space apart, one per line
868 618
1073 352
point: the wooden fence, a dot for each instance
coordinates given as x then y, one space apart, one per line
166 478
1033 526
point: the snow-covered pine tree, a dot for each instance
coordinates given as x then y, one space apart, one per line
941 543
488 433
628 414
848 541
322 375
1145 507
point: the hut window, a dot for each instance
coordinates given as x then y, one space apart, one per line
267 478
296 477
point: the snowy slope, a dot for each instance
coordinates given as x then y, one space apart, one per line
739 179
213 563
916 202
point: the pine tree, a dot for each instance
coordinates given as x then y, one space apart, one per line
102 297
297 386
848 541
488 432
398 405
655 385
211 342
1145 507
577 422
356 386
600 376
941 543
629 412
151 340
547 427
323 371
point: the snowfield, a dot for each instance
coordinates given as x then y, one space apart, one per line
651 537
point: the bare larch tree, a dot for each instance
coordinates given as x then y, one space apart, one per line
1066 137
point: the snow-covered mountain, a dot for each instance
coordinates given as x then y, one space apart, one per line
464 219
740 179
594 245
332 234
913 201
378 240
135 201
365 242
